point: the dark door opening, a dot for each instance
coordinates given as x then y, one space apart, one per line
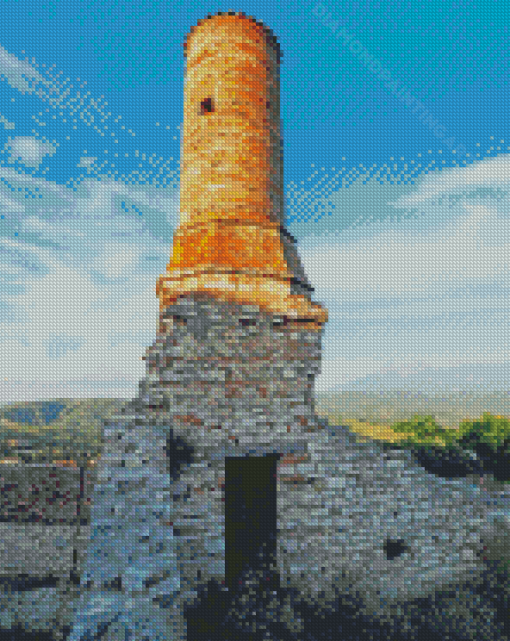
250 513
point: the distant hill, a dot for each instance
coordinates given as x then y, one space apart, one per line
69 424
41 413
389 407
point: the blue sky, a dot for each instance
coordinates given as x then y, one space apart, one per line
397 176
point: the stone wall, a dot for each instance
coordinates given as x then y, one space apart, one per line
42 534
222 381
231 381
40 551
44 494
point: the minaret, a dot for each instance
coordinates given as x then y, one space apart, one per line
231 242
218 438
231 374
211 510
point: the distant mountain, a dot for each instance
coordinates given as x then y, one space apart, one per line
70 424
44 411
40 413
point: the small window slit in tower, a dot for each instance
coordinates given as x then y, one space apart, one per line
206 106
247 322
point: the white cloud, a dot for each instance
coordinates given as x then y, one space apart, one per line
70 335
490 172
409 300
398 262
23 76
28 150
337 372
402 371
86 161
414 293
85 313
117 260
19 73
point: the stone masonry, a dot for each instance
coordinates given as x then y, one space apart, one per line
231 382
222 382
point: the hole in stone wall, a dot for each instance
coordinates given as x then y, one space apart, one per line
179 453
394 548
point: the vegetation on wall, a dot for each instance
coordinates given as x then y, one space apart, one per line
480 446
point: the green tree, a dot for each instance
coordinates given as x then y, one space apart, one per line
424 429
489 438
493 431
